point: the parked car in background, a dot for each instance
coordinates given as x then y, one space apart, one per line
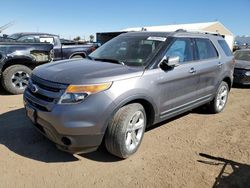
5 39
241 43
17 59
21 52
242 67
133 81
63 49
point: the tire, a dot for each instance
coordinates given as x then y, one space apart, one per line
15 78
77 57
122 137
219 102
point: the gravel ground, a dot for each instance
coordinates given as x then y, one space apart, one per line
193 150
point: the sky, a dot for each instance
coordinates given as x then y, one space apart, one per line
82 18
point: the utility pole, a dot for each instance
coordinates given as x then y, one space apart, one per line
6 26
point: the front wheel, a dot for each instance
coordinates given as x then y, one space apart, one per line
125 131
15 78
220 99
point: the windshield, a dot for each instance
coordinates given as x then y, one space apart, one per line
14 36
128 50
243 55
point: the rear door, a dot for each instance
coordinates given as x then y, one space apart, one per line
208 68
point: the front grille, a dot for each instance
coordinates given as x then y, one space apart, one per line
45 94
238 71
42 97
40 107
46 87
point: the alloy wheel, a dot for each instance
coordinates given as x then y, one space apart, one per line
135 130
20 79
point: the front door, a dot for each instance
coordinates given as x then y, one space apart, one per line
179 85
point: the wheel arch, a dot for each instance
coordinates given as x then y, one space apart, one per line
18 61
83 54
148 107
228 81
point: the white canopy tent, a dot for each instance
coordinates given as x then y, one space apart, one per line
208 27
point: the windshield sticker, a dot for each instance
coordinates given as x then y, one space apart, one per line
162 39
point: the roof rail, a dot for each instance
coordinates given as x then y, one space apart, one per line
200 32
181 30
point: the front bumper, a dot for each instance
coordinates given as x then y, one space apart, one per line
77 128
69 143
240 77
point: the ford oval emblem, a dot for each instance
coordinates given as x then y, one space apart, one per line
34 88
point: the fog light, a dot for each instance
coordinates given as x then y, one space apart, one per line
66 141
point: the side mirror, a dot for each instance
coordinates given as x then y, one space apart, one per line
170 61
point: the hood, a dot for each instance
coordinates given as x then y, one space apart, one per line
83 71
240 64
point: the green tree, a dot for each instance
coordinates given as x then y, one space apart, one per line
77 38
91 38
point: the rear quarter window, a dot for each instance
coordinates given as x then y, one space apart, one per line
225 47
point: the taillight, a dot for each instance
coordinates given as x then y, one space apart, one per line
51 54
233 62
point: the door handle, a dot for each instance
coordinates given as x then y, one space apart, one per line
219 64
192 70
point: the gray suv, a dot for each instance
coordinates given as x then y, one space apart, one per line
133 81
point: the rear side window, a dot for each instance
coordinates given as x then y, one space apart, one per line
225 47
206 49
47 39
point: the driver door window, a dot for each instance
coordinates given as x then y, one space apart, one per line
181 47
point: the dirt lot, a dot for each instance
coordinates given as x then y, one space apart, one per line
179 153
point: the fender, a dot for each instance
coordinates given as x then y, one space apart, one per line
2 61
18 52
8 61
138 97
224 76
2 57
34 58
120 103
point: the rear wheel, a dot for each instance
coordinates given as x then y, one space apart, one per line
125 131
15 78
220 99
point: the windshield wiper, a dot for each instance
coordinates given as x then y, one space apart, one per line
109 60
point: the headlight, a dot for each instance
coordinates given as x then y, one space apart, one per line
247 73
77 93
